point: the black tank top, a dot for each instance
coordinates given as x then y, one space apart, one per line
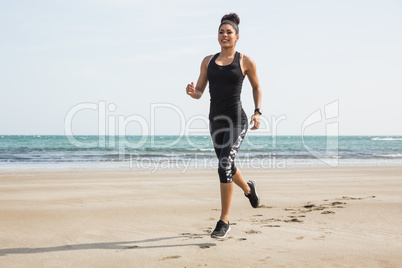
225 84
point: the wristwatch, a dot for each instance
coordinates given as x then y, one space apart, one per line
258 110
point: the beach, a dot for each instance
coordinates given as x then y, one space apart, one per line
308 217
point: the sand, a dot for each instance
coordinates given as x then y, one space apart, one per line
309 217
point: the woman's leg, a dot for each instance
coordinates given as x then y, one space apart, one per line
239 180
232 141
227 193
226 200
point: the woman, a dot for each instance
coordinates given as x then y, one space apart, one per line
225 72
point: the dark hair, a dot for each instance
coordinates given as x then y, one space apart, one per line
231 19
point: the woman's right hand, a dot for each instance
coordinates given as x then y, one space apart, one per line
190 89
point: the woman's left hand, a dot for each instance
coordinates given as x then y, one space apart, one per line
255 119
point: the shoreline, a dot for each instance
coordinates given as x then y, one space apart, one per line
57 152
210 163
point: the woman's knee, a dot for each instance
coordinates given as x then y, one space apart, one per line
226 170
225 176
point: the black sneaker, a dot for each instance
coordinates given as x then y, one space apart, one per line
221 230
253 196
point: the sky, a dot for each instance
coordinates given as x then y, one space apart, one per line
121 67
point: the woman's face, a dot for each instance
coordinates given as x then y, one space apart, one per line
227 36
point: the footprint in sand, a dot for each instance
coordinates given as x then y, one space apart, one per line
357 198
253 232
338 203
293 220
327 212
320 207
309 206
312 207
171 257
196 237
268 220
264 206
351 198
191 236
271 225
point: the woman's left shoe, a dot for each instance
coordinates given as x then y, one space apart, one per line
253 196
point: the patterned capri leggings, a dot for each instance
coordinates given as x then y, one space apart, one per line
227 139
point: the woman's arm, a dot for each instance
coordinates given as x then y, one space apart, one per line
250 69
197 91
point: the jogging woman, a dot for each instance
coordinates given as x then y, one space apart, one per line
225 72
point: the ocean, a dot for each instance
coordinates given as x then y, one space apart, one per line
18 152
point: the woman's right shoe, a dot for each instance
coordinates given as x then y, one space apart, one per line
221 230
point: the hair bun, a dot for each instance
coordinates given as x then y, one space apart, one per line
232 17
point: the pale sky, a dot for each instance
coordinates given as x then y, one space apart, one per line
58 54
